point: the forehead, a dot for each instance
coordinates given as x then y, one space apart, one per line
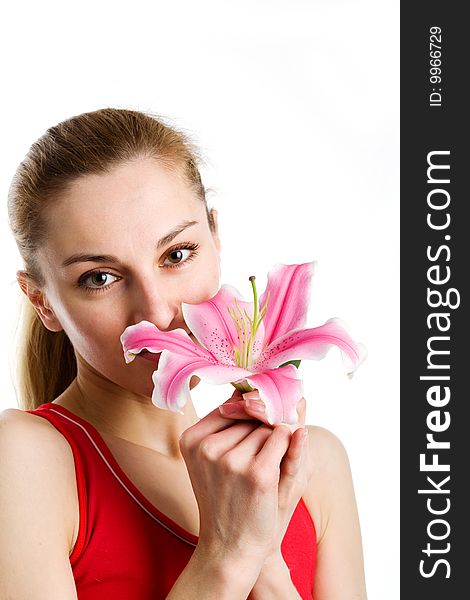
134 203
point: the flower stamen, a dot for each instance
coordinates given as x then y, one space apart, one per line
247 327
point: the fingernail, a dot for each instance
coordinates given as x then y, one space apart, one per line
253 395
255 405
305 436
229 408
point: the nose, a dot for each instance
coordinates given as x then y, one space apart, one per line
152 303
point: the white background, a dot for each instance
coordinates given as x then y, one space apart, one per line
295 106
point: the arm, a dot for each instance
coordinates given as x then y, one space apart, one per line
330 498
330 494
215 577
274 580
35 538
234 469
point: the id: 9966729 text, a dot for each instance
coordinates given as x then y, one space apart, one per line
435 61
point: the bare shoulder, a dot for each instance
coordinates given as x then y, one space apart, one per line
31 432
328 457
36 443
33 446
330 475
331 501
18 419
36 489
326 447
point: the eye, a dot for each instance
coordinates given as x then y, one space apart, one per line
96 280
180 254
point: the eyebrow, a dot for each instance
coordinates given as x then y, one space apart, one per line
162 242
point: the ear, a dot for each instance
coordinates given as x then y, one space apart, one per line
215 234
37 298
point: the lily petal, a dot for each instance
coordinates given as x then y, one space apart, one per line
146 335
280 390
289 296
313 344
171 379
215 329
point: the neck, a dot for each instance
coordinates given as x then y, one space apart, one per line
121 414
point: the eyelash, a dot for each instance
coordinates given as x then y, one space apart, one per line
183 246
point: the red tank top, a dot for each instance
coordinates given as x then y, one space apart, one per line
126 548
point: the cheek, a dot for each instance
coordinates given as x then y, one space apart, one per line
94 336
203 285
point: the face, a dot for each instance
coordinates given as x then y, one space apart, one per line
123 247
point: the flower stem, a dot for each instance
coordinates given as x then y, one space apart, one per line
243 386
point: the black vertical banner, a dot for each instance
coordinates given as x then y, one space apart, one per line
435 253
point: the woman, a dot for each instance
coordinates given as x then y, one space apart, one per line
102 494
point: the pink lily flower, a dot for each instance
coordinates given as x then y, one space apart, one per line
243 344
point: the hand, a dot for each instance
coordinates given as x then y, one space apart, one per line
235 469
295 468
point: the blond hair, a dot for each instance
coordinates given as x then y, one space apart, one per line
89 143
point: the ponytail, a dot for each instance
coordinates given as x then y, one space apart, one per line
46 360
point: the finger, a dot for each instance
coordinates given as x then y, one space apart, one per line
211 423
247 406
307 456
250 446
301 411
257 409
235 410
217 444
292 461
275 447
227 408
295 465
